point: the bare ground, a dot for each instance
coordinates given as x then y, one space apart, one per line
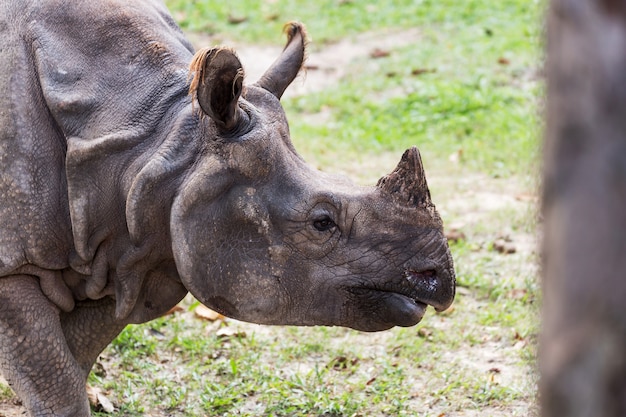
325 64
468 199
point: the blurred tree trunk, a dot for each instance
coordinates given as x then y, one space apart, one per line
583 343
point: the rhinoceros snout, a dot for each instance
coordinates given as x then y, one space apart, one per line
434 287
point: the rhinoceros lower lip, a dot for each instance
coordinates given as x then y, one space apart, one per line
402 310
403 301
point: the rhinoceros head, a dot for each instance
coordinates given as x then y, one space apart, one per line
261 236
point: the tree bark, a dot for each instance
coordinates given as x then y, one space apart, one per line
582 351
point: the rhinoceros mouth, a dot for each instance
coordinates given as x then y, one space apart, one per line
403 301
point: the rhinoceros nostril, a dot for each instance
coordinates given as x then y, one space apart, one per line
423 281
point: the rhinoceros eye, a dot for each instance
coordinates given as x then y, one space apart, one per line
324 224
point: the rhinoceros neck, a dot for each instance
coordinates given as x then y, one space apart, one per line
114 80
97 94
99 79
120 191
108 71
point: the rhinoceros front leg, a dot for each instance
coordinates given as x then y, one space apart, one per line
88 329
34 356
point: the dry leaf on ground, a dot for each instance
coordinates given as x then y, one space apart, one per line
206 313
99 400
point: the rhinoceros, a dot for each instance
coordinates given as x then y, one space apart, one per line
133 171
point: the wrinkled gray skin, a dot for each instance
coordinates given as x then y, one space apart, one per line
118 195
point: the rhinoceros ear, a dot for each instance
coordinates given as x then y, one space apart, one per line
217 85
286 67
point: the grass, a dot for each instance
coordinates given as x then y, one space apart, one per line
5 392
468 95
469 86
439 96
329 20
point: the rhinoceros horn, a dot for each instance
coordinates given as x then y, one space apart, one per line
407 183
286 67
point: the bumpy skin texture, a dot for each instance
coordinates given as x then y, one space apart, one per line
120 192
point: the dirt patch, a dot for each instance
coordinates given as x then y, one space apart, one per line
12 410
326 64
10 407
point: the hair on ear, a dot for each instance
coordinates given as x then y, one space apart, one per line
286 67
196 72
217 84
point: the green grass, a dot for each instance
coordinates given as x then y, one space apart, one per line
330 20
468 86
439 96
5 393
